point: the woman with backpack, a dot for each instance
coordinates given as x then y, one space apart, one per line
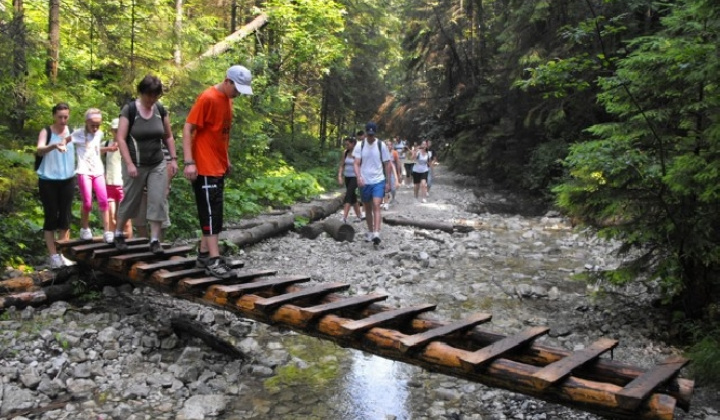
55 166
144 127
347 171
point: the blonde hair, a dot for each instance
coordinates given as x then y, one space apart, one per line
92 112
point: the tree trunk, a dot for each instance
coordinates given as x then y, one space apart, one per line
276 226
19 68
177 32
334 227
53 40
422 224
338 230
184 326
228 42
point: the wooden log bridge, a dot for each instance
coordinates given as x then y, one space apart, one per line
580 379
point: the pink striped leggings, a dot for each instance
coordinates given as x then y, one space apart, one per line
88 184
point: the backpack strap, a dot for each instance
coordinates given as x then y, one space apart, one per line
38 158
132 113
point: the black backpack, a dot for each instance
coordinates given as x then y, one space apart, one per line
38 158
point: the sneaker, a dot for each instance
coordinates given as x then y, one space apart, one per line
358 219
156 248
368 236
202 262
217 268
385 206
56 261
376 238
120 244
344 220
424 200
109 237
86 234
362 217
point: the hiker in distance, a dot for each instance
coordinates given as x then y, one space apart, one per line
372 163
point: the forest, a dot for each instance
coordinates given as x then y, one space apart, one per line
605 109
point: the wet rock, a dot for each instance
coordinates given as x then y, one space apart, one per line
198 407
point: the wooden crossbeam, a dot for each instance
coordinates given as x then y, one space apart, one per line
498 348
79 251
269 304
118 262
350 303
108 252
166 278
221 293
385 317
639 389
177 263
416 341
556 371
241 276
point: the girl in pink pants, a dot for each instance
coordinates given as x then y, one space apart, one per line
91 173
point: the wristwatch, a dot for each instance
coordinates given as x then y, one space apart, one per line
189 162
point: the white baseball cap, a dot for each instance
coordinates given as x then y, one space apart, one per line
242 78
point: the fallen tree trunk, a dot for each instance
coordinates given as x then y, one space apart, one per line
338 230
195 329
44 296
334 227
268 228
231 39
422 224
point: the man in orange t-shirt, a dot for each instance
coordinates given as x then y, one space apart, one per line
206 140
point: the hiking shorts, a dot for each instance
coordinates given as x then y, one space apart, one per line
209 193
418 177
115 193
373 191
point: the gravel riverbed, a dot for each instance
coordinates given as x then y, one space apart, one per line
117 357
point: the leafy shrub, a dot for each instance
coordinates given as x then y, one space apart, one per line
20 209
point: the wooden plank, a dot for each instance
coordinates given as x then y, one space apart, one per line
112 251
556 371
221 293
269 304
176 263
119 262
350 303
169 277
89 248
420 340
505 345
639 389
186 285
385 317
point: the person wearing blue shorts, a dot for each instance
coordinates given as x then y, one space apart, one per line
372 162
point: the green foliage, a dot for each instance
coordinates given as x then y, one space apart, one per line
282 187
20 210
650 179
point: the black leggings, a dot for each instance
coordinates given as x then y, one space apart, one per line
57 198
351 190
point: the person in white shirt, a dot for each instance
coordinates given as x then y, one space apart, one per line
91 173
372 162
420 171
113 179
